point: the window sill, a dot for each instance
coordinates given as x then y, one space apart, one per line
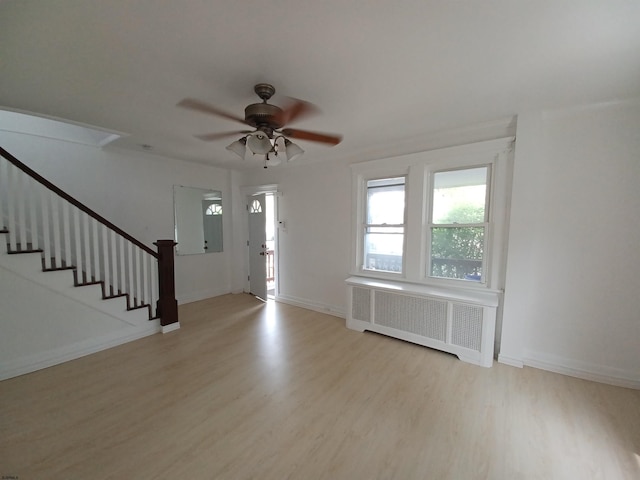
473 295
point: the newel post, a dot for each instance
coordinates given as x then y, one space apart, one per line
167 303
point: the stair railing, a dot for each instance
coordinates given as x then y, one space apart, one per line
41 217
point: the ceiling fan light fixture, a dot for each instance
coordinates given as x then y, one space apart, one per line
272 160
239 147
259 143
292 150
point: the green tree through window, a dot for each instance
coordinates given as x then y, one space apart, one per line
458 243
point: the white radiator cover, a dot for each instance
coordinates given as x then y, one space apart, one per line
458 322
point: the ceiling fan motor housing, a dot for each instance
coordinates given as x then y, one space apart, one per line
263 115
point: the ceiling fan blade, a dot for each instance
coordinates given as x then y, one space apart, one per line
312 136
199 106
208 137
296 110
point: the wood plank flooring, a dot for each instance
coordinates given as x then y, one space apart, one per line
247 390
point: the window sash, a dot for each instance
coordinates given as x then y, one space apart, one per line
462 265
465 260
383 244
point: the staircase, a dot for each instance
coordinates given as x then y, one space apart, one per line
87 269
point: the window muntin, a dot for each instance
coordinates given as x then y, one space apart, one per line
458 222
214 209
256 207
384 225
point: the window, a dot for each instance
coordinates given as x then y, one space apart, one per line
459 220
256 207
437 218
384 225
214 209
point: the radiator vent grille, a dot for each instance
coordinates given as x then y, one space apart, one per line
466 326
422 316
361 304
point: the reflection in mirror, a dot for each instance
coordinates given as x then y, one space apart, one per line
198 220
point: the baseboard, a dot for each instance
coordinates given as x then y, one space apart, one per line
310 305
514 362
170 328
200 295
585 371
31 363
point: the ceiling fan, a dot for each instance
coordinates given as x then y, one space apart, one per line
268 137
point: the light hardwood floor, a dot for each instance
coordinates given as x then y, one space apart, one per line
270 391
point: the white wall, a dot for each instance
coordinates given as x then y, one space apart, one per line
314 248
573 262
135 192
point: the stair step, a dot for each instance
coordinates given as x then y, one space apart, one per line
55 267
86 284
28 248
117 295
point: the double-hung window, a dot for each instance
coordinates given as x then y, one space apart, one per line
384 227
459 218
436 218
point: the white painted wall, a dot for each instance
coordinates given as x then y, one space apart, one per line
573 262
314 248
188 211
135 192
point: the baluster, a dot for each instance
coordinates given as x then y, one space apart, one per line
122 273
97 271
21 198
55 225
139 291
87 248
154 285
113 254
131 286
46 232
66 231
33 213
76 214
11 184
3 188
145 277
105 261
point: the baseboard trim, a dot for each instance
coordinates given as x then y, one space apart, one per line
170 328
514 362
315 306
32 363
572 368
201 295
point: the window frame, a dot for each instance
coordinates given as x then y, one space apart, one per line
419 170
366 225
430 225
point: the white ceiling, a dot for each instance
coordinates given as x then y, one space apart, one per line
382 72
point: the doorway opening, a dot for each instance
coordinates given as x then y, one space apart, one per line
270 230
263 245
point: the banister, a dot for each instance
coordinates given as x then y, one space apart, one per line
17 163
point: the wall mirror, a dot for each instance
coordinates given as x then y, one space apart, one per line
198 220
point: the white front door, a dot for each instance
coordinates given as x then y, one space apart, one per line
258 246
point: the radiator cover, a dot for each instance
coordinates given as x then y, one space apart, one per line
462 323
